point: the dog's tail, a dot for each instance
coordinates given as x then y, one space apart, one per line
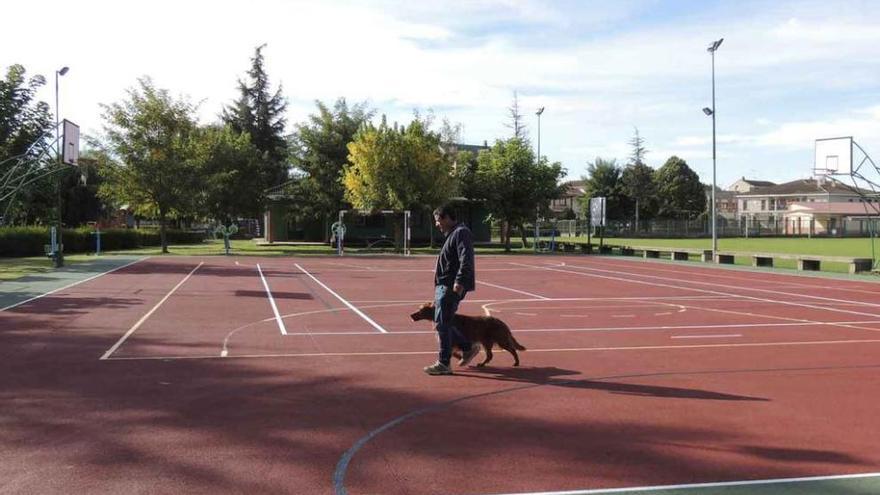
516 345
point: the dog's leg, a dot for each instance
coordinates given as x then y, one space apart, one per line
509 348
487 346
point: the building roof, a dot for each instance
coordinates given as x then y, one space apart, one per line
805 186
574 188
757 183
836 208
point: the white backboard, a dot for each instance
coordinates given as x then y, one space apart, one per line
833 156
70 143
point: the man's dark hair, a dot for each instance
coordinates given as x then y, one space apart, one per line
445 211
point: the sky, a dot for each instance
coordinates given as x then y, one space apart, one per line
787 73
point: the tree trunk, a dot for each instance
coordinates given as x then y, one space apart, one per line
522 233
505 235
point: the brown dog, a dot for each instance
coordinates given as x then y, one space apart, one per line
486 330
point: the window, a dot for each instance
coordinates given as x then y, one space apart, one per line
745 205
763 204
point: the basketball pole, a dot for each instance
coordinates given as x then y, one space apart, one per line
59 253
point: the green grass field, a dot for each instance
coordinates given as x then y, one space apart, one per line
12 268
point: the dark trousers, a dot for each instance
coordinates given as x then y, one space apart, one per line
445 305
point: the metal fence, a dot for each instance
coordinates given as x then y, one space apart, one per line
677 228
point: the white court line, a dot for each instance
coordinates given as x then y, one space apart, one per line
350 306
272 302
569 349
71 285
144 318
716 336
719 293
512 290
735 287
720 484
618 329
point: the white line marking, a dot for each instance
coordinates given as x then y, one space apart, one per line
144 318
623 316
272 302
526 314
754 298
736 287
587 329
716 336
572 349
512 290
600 491
71 285
350 306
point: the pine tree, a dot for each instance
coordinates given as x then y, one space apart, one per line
516 120
260 113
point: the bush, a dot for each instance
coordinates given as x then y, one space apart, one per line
29 241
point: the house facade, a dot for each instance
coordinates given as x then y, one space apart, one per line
832 219
765 208
573 190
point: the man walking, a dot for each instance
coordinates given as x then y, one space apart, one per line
453 278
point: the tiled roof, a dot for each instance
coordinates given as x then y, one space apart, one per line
803 186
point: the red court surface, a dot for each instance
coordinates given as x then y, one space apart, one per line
304 375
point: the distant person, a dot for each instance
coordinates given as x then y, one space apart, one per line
453 278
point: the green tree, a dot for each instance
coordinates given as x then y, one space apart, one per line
679 190
23 120
397 168
149 135
260 113
604 180
320 151
230 165
515 185
637 182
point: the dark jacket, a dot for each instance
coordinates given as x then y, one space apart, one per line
455 263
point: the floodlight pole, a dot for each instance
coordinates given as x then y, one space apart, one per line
537 229
59 253
712 49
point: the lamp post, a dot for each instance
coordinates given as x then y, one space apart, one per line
59 253
711 112
537 229
538 113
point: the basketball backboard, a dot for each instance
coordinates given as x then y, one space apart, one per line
70 143
833 156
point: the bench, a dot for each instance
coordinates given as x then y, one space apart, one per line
856 265
677 254
804 262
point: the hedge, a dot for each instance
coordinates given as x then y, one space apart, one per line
29 241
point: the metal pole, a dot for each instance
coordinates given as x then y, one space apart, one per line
59 256
714 220
539 136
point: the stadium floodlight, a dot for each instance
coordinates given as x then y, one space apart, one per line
710 112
